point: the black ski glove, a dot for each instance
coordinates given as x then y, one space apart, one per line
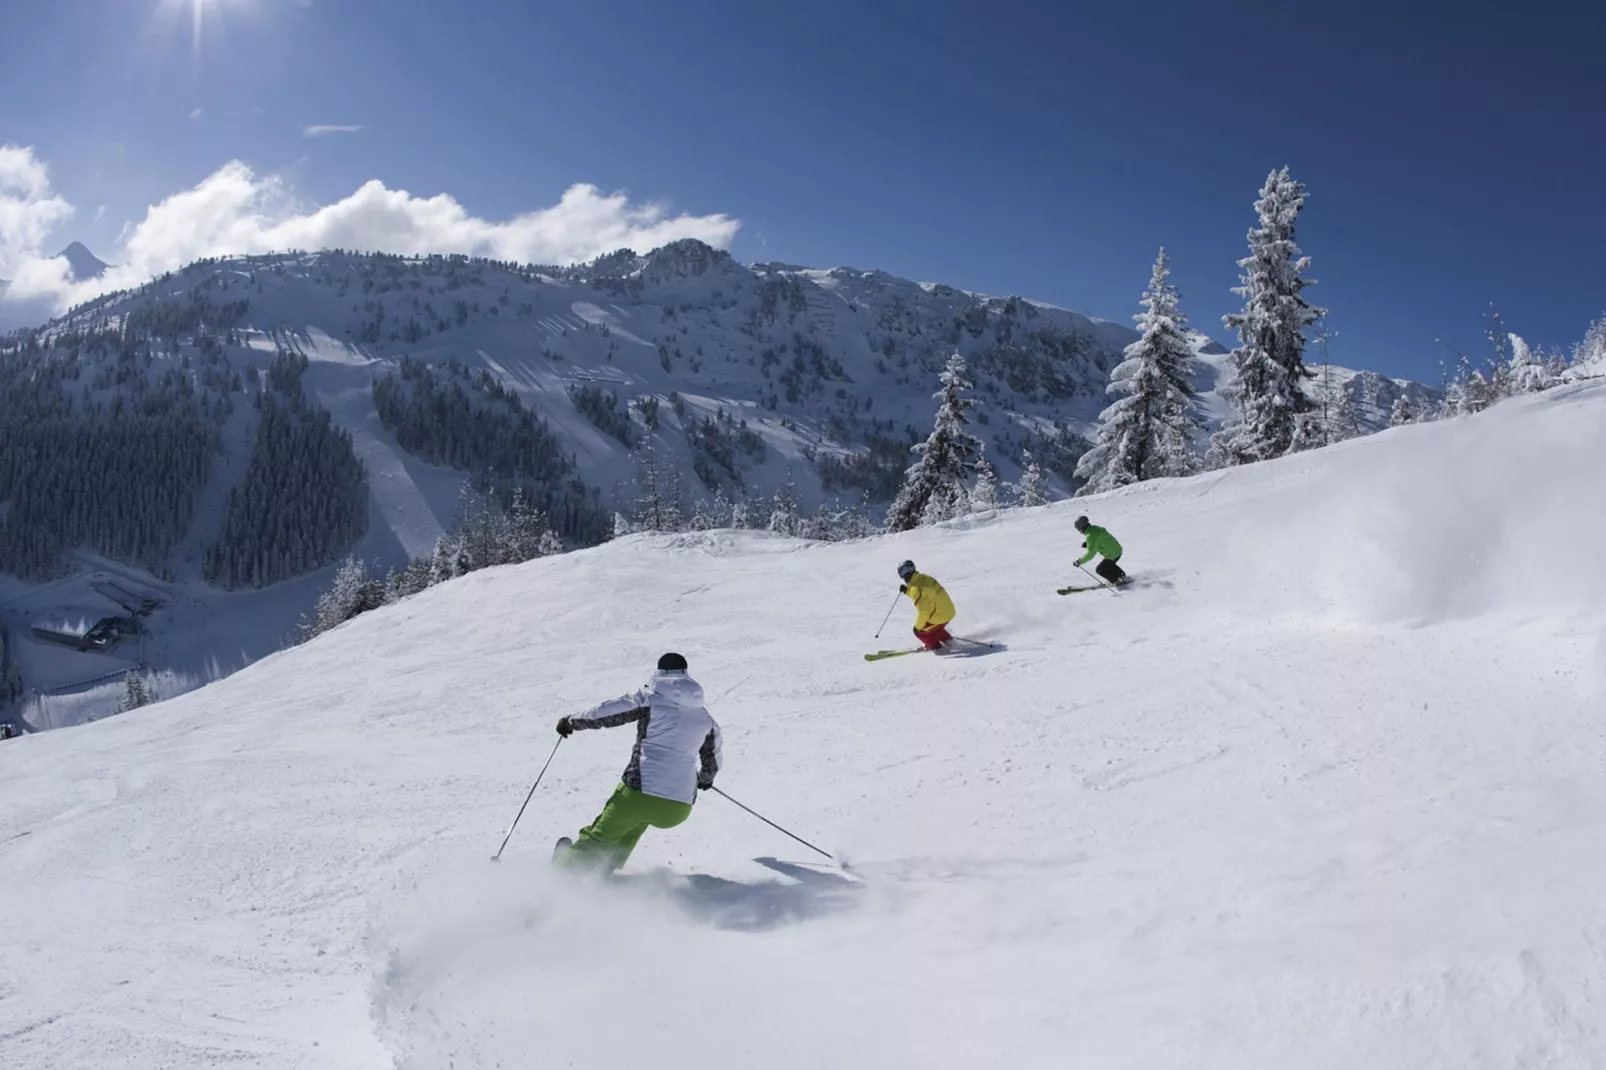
564 727
903 588
704 785
1084 544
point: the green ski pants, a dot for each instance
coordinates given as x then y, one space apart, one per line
606 843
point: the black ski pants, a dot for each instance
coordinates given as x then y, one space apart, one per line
1111 572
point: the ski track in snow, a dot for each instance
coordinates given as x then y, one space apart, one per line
1326 793
599 317
343 384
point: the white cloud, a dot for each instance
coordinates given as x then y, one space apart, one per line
29 208
197 113
325 129
236 211
100 213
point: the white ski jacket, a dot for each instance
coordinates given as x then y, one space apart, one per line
678 746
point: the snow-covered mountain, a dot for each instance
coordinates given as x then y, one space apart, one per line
435 372
81 263
1325 789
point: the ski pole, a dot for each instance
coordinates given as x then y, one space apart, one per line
1098 580
497 857
776 827
883 627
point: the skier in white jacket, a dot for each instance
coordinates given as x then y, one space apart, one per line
677 753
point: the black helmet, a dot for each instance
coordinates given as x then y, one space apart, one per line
906 570
672 663
1081 524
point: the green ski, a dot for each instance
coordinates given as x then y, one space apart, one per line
880 655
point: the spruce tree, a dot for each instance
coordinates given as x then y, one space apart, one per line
1589 356
785 517
1344 419
1149 432
1401 413
1526 370
135 691
1032 490
984 492
1268 391
937 486
658 491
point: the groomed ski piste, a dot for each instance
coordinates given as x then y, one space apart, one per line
1326 789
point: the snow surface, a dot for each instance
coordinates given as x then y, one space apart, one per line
1324 790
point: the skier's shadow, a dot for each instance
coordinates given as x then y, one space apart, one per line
766 905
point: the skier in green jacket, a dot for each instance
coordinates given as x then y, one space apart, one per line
1098 541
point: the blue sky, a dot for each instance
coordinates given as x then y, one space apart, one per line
1452 159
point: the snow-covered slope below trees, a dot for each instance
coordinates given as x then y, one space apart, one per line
1325 789
437 372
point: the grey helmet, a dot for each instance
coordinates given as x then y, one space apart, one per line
1081 524
906 570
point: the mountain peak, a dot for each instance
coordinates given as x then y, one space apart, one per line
81 263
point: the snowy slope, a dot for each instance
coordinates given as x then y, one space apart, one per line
1324 791
816 363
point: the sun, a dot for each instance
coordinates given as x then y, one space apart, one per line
201 14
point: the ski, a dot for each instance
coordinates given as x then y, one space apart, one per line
561 848
1075 590
881 655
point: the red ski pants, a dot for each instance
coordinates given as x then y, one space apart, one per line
933 637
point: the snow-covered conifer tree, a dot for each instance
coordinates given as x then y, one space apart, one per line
1149 431
351 593
1401 413
1032 490
702 517
785 517
937 486
1526 371
1343 418
1268 389
984 491
136 692
658 491
1589 356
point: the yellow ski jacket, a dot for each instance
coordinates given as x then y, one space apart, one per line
932 604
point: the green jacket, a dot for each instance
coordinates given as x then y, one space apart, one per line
1098 542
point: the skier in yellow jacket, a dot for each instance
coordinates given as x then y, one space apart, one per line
933 608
